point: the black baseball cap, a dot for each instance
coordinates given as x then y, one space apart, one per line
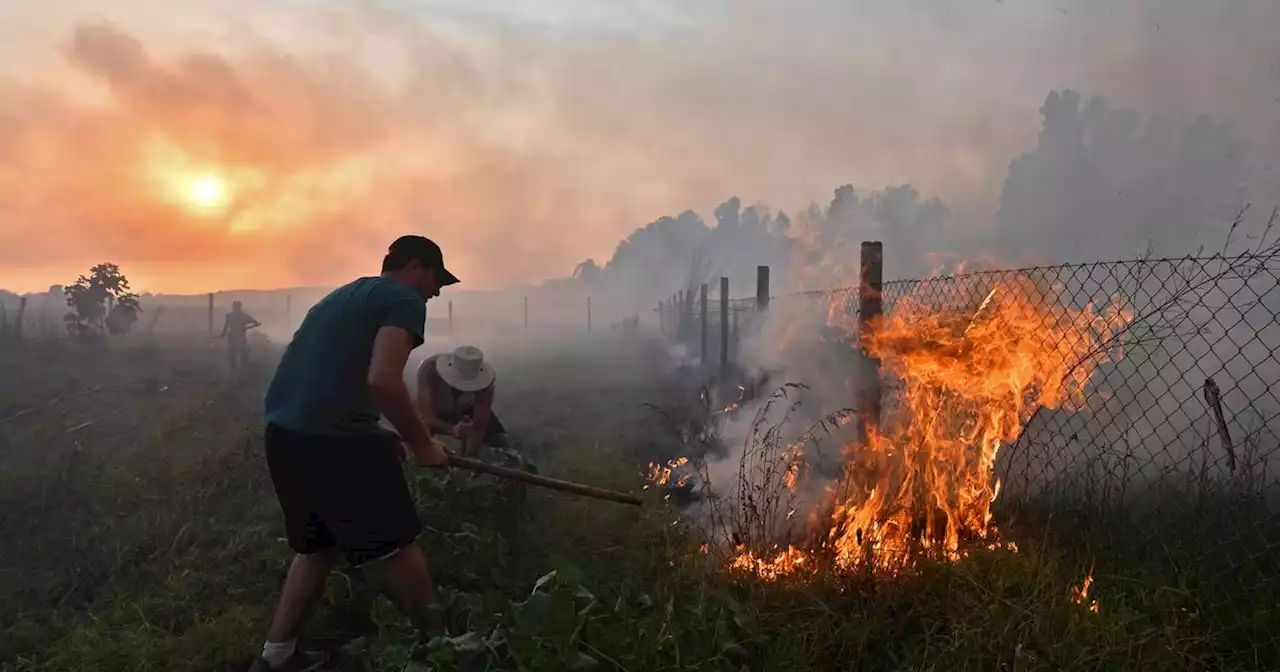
425 250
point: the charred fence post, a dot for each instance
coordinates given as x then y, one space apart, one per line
724 330
210 312
670 315
869 315
705 310
682 324
674 318
762 287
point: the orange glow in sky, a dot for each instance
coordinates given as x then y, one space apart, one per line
208 194
247 144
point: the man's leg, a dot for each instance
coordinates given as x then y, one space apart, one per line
375 520
288 456
303 585
407 581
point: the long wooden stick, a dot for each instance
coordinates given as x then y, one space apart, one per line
553 483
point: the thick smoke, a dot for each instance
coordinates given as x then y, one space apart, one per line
551 132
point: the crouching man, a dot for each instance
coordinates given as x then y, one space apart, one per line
455 398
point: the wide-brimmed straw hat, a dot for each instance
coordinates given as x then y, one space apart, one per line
464 369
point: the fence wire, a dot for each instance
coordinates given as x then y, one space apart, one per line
1168 476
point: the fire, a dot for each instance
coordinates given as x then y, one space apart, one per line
660 474
1080 594
787 562
967 380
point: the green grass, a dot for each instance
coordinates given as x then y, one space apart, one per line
150 541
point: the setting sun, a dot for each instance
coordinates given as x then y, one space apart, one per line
208 194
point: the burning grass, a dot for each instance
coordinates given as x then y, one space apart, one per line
920 485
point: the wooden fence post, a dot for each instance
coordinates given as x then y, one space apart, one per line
674 317
762 287
724 330
662 322
210 312
676 323
682 307
705 310
869 311
22 312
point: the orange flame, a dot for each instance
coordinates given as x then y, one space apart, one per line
660 474
923 483
1080 594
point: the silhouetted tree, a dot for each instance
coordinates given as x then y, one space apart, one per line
89 297
588 272
1102 183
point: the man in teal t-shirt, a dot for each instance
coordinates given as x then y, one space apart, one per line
336 472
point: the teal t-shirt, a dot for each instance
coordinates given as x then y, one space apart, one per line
321 385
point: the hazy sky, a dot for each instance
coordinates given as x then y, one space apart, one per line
282 142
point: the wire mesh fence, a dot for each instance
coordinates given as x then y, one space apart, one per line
1164 473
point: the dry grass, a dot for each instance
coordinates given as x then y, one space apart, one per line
148 540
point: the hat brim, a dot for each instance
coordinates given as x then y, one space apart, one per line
445 278
449 373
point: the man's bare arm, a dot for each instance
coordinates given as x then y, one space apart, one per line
391 349
426 405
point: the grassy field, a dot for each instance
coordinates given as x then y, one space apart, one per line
139 532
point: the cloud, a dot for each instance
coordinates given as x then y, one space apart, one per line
528 140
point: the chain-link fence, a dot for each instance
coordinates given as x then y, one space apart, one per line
1166 476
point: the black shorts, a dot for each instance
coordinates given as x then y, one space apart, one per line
344 492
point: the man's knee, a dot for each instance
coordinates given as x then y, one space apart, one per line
406 567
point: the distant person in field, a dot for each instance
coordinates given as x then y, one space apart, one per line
236 330
455 397
336 471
